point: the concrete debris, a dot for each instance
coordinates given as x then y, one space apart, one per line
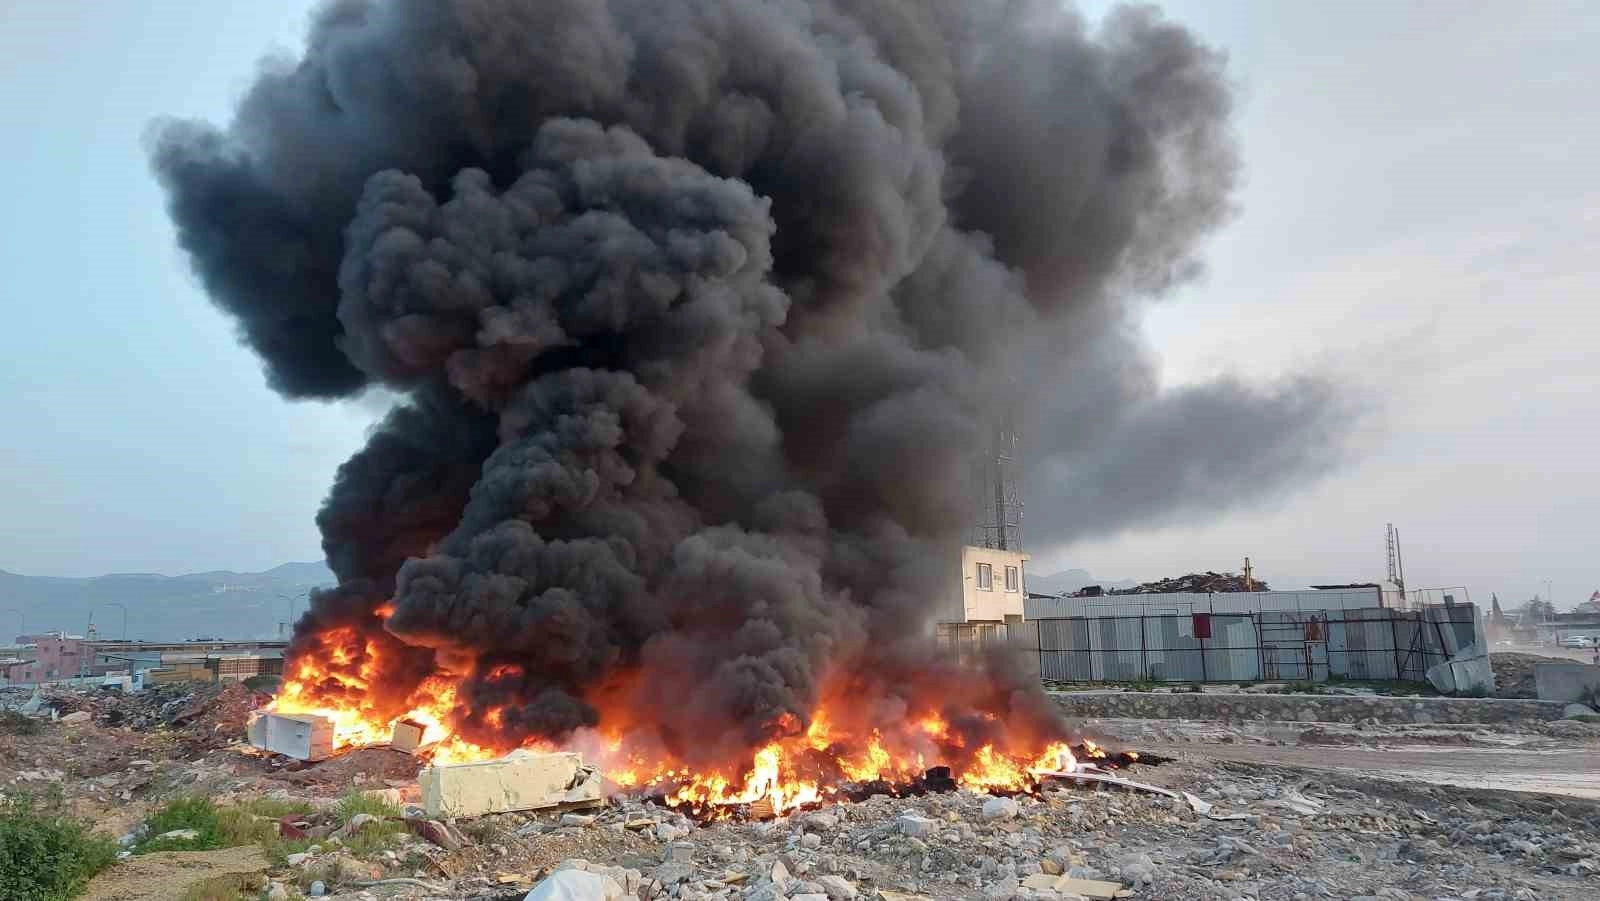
1094 889
1206 825
521 780
1297 803
999 809
1566 680
917 826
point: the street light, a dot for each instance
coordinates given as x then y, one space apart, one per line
291 598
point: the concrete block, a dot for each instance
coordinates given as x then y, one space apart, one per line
521 780
407 736
303 736
1570 682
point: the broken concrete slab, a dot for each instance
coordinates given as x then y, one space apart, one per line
1567 682
407 736
1088 888
521 780
303 736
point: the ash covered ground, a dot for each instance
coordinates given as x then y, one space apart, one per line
1298 810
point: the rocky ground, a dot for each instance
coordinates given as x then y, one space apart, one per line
1269 814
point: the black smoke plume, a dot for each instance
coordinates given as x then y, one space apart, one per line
701 309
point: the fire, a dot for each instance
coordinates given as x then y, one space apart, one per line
801 770
803 764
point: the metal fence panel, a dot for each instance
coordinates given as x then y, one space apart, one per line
1371 643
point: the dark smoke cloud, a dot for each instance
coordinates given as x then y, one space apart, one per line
701 309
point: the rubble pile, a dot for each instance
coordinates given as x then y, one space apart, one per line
1227 830
1514 674
1239 833
203 716
1195 583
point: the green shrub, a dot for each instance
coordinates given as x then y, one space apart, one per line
45 856
373 837
198 814
14 723
359 802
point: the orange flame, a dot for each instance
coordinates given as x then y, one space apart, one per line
803 765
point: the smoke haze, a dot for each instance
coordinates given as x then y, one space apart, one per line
700 311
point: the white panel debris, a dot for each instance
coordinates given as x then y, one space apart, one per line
407 736
303 736
521 780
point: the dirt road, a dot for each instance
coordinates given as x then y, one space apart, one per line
1572 771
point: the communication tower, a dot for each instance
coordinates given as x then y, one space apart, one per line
999 503
1397 565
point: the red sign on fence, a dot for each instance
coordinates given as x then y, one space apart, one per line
1202 625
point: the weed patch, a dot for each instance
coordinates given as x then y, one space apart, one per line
45 856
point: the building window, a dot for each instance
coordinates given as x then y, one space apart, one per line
1013 581
985 577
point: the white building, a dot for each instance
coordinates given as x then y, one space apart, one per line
992 586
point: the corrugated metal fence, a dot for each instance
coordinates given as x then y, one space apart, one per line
1371 644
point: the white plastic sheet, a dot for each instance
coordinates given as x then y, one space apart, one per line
576 885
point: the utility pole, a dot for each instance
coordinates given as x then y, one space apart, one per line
1249 583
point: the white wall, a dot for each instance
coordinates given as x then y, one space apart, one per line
995 603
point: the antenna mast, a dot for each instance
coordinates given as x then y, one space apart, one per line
1397 565
999 520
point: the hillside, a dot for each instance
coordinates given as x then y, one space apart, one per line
220 603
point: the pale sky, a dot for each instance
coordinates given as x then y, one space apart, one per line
1420 216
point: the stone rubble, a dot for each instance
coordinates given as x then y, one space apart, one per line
1265 832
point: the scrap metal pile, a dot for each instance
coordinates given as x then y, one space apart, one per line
1196 583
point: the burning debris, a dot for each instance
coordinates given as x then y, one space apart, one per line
696 312
302 736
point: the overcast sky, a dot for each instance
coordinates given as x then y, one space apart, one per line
1420 216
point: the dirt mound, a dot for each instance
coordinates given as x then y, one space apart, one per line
166 875
1513 673
369 767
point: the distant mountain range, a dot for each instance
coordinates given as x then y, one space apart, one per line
1069 580
225 604
218 604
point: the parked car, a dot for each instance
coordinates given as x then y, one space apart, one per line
1577 641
